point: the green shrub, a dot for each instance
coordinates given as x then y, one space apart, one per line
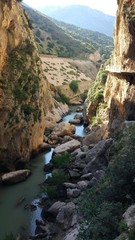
96 120
131 235
58 177
60 97
74 86
62 160
52 192
27 109
84 95
123 226
103 225
97 90
55 182
19 93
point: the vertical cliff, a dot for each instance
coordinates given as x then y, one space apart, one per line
119 92
24 92
120 87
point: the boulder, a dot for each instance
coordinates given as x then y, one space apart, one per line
15 177
99 149
62 129
76 102
69 185
96 134
72 234
92 182
79 165
79 109
55 208
45 147
75 121
87 176
66 216
68 146
48 167
79 116
97 163
81 155
73 193
77 137
129 216
74 174
85 148
99 174
66 139
82 184
76 152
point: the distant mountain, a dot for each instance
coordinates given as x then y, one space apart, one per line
65 40
84 17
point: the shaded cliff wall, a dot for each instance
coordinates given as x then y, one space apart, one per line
24 92
120 87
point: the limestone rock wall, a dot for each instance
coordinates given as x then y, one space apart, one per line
119 92
25 95
120 87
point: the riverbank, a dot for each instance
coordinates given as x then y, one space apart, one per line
15 199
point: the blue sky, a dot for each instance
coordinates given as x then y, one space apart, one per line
106 6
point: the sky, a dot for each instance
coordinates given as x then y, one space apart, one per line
106 6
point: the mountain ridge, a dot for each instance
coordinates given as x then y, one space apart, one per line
52 39
81 16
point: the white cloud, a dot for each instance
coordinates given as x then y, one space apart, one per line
107 6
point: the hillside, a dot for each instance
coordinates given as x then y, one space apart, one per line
100 42
64 40
62 71
84 17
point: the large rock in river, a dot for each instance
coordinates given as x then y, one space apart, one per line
75 121
68 146
15 177
62 129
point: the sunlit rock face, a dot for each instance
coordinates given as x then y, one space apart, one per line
120 87
24 92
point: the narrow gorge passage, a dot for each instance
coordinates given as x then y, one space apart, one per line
16 205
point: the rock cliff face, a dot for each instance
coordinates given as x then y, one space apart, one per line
119 93
120 87
24 92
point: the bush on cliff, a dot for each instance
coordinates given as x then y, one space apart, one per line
96 91
74 86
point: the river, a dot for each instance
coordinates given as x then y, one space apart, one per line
15 218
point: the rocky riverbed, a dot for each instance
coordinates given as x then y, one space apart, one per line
56 217
88 163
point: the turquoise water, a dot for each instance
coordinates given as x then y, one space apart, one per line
15 218
79 128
